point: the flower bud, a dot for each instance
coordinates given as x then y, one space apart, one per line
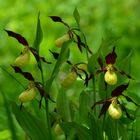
58 130
59 42
23 59
69 79
115 111
28 94
110 77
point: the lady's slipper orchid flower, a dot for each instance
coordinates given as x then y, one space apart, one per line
28 94
110 70
23 59
112 105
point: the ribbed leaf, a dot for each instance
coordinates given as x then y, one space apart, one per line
9 115
110 128
81 132
108 41
85 102
134 97
95 125
92 62
39 35
63 57
123 131
62 103
76 16
102 86
33 127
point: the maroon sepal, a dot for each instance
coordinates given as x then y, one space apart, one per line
86 75
104 108
125 110
118 90
37 57
87 47
88 79
100 71
101 102
130 100
27 75
123 73
55 54
79 42
111 57
56 18
20 38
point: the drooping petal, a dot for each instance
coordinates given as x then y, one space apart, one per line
17 36
118 90
104 108
27 75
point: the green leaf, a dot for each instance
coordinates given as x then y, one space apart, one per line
137 129
33 127
63 56
110 128
76 16
101 85
108 41
85 103
9 115
39 35
122 131
124 63
95 125
5 135
134 97
92 62
62 103
81 132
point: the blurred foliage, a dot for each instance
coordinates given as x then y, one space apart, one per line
98 17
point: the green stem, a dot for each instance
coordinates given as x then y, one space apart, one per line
117 132
94 93
103 124
48 119
104 117
132 134
85 41
133 124
46 104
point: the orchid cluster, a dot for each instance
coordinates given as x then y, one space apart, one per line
112 105
23 61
